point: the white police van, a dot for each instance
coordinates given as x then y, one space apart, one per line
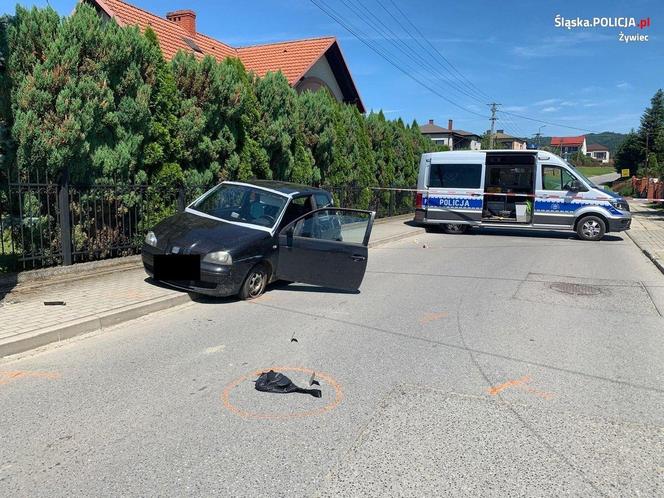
514 189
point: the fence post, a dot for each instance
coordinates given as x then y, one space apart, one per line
65 217
181 198
390 209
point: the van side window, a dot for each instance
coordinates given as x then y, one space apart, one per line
455 175
556 178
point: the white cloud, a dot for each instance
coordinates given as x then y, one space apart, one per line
550 109
547 102
515 108
567 45
623 85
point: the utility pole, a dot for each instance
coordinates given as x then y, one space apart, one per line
538 135
492 136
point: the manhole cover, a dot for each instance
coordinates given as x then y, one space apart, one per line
576 289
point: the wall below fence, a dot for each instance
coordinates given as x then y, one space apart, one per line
109 221
648 188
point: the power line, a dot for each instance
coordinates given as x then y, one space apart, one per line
390 61
459 84
546 122
398 64
449 63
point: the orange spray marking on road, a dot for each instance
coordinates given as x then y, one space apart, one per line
432 317
325 378
495 390
8 376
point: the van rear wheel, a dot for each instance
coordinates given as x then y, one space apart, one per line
455 228
591 228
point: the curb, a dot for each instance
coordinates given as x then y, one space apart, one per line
92 323
398 236
655 260
42 337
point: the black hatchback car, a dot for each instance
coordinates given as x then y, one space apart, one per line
239 236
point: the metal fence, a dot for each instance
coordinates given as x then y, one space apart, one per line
45 223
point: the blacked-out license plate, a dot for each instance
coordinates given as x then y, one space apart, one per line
177 266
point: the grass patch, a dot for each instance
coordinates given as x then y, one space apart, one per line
596 170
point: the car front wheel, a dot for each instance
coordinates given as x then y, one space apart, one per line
255 282
591 228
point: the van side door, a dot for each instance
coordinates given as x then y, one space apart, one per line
554 196
455 191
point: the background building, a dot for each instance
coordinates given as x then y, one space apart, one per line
454 139
598 152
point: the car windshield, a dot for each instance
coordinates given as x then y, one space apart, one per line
242 203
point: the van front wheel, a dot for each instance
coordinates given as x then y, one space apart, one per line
591 228
455 228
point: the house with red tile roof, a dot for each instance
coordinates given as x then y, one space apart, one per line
309 64
569 145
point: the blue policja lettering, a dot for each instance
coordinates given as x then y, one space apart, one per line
452 202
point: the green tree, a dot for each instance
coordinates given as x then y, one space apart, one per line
280 119
81 95
629 154
651 131
317 111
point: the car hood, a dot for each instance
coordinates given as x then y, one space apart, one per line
196 234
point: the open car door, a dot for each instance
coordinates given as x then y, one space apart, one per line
326 247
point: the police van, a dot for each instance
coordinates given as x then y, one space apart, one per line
457 190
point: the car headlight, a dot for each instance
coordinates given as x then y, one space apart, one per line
620 204
151 239
219 258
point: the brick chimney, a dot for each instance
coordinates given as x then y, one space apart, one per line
449 124
431 121
185 18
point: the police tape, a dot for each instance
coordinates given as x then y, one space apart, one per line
507 194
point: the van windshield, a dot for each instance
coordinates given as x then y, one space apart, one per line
581 175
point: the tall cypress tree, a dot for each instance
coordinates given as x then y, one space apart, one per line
81 93
651 131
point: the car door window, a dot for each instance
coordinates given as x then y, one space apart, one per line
297 207
322 200
334 225
556 178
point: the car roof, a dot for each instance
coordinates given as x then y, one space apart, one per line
285 188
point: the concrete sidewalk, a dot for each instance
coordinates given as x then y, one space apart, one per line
647 231
107 298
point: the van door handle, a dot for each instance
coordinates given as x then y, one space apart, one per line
358 257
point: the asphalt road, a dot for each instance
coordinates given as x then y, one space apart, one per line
480 364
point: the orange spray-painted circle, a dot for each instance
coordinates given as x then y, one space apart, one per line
327 379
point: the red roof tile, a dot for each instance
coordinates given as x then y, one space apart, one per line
293 58
568 140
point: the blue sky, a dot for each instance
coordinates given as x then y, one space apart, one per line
511 51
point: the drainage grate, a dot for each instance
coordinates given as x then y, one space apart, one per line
576 289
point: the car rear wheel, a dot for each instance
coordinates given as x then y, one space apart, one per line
255 282
455 228
591 228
